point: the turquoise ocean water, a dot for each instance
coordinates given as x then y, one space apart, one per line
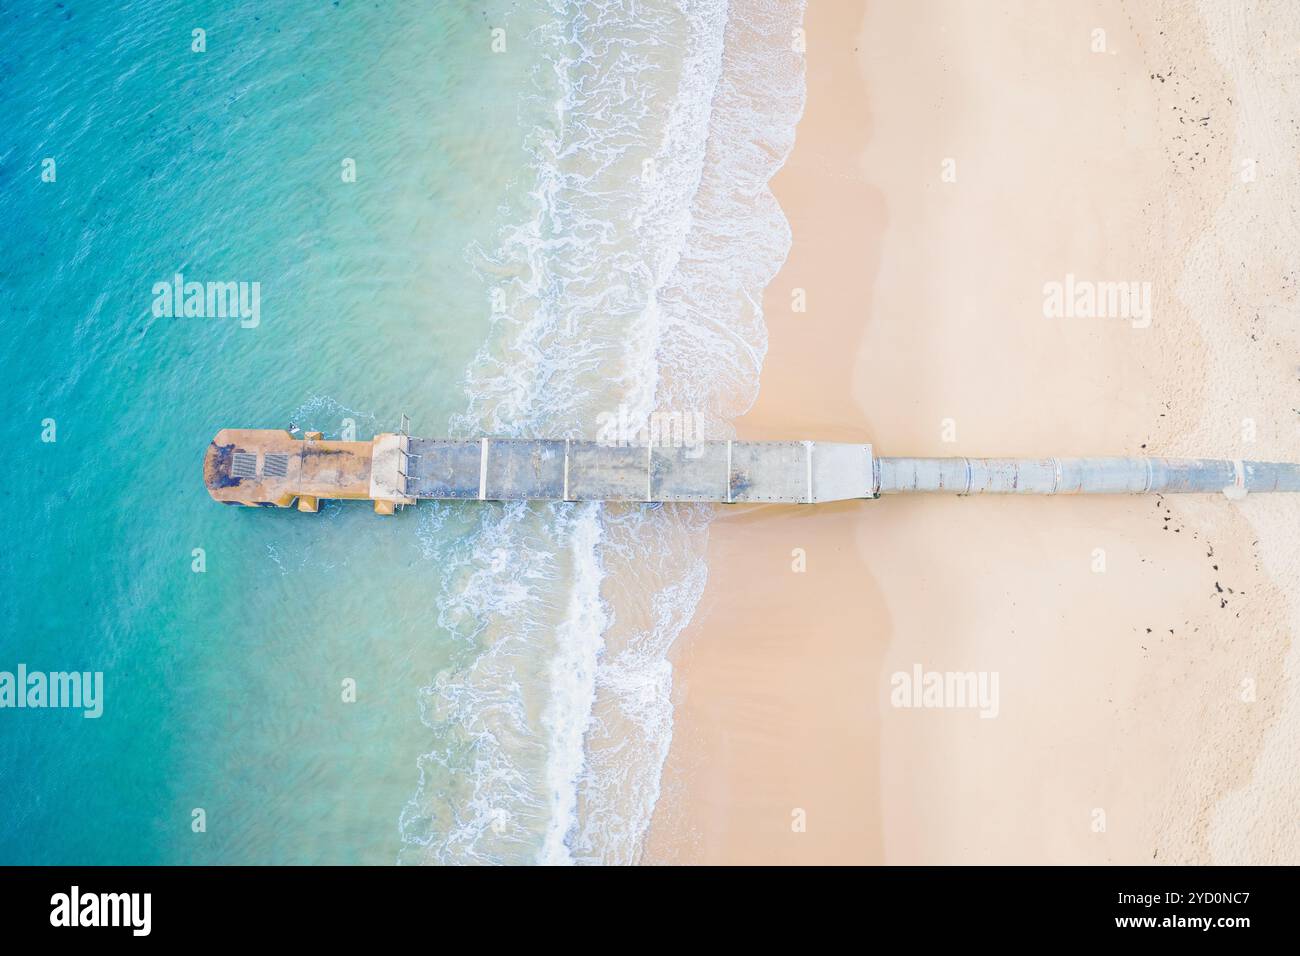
537 235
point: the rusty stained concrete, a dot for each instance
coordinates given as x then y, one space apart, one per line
316 470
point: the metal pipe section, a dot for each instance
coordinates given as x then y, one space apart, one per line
1082 476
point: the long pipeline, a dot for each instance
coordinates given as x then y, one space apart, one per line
1066 476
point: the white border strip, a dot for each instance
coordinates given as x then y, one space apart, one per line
566 469
649 469
808 448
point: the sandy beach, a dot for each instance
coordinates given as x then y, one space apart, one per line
953 161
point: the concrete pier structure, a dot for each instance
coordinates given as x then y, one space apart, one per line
272 468
1087 476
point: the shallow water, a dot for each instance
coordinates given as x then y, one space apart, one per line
534 237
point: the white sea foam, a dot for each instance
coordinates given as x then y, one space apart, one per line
572 678
634 280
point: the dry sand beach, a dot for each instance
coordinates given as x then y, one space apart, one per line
953 159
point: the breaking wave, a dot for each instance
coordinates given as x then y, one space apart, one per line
630 274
